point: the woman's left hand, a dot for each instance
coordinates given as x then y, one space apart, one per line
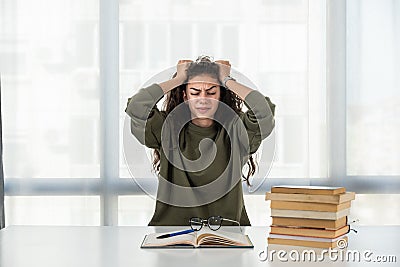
224 69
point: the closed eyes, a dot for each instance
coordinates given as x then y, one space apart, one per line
199 90
199 93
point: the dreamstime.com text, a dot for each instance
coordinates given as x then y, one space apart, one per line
338 254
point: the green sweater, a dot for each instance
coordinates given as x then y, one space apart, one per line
216 189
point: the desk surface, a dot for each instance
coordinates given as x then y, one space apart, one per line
120 246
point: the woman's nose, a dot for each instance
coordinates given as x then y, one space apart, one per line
202 99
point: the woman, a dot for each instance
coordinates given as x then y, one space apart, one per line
201 140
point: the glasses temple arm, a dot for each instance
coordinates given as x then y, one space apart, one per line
229 220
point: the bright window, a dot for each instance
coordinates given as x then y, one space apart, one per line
279 46
373 87
58 165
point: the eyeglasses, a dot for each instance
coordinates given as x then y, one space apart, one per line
213 222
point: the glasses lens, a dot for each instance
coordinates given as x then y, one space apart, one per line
196 223
214 222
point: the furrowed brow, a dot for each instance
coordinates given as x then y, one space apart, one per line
198 90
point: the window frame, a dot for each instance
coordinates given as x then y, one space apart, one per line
109 186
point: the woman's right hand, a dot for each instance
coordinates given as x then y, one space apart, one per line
181 68
179 78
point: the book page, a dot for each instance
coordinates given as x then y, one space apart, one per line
185 239
223 238
309 187
310 214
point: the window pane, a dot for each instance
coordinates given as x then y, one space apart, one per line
135 210
52 210
376 209
50 78
373 87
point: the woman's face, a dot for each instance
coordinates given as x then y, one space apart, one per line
202 93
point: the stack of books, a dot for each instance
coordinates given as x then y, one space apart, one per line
309 216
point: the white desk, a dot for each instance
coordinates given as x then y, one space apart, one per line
51 246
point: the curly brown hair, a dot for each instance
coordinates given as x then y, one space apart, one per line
204 65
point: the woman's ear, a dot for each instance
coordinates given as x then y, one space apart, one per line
184 95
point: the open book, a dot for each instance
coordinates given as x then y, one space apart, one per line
203 238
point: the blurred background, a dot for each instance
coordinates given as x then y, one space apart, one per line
68 67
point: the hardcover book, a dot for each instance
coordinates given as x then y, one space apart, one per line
312 223
309 214
333 199
305 241
294 205
311 232
308 189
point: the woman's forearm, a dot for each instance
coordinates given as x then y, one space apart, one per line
241 90
171 84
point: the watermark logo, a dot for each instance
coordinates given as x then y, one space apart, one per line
341 243
177 194
338 254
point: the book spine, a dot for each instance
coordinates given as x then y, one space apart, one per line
307 191
313 223
333 199
310 214
294 205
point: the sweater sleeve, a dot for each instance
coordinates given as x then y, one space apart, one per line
146 119
259 119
